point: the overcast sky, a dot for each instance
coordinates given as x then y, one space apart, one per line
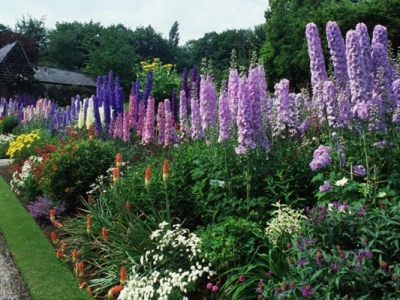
195 17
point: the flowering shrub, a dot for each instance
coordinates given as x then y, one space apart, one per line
5 139
24 182
171 269
23 146
39 210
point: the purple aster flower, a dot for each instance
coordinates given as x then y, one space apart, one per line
359 170
307 291
325 187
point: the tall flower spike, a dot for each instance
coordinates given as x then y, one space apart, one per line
104 233
118 159
79 269
54 237
115 176
114 290
147 177
88 223
122 276
165 171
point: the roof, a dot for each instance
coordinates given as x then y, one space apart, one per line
59 76
5 50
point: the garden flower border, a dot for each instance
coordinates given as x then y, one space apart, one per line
44 275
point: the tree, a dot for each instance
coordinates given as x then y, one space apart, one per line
33 28
174 35
7 36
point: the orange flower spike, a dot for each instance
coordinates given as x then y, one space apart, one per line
53 237
115 175
80 267
74 255
147 176
88 223
60 254
57 224
89 291
83 285
90 200
128 205
122 276
52 214
114 290
118 160
104 233
165 171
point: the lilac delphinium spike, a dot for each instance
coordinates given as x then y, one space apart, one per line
255 100
168 136
317 61
106 108
345 112
174 107
141 119
148 86
73 108
132 111
331 103
376 120
325 187
396 97
118 127
366 57
148 134
380 36
204 104
119 99
224 115
185 86
233 90
212 100
137 90
355 68
244 119
382 76
183 112
195 129
283 114
161 123
126 131
338 54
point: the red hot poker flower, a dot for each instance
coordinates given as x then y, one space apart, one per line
165 171
114 290
147 176
122 276
104 233
118 160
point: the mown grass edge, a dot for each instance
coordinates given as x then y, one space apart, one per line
45 276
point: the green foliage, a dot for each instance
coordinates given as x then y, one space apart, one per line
8 123
69 170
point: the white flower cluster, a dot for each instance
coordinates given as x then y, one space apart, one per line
6 138
172 266
285 219
105 182
18 179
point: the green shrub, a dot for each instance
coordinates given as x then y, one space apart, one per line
8 124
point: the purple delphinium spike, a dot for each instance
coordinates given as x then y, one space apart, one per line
183 112
126 130
96 113
255 100
338 54
73 108
233 90
366 57
161 123
382 76
142 118
317 61
99 85
148 86
185 86
396 97
380 36
355 68
321 158
283 114
212 96
331 103
195 129
106 108
119 99
148 134
169 126
204 104
244 118
224 116
174 107
132 111
118 127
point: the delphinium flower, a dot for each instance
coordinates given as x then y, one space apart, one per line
185 86
244 118
99 83
325 187
195 129
160 123
118 127
380 35
89 114
96 113
359 170
148 133
396 97
366 58
174 107
106 108
204 104
376 120
119 99
345 112
321 158
148 86
330 100
170 133
141 119
382 76
282 112
137 94
233 91
224 116
132 110
183 112
126 131
256 86
338 54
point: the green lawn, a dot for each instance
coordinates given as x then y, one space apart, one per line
45 276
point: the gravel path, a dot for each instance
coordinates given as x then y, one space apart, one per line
11 285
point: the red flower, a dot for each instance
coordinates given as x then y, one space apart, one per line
147 176
104 233
57 224
122 276
88 223
115 175
52 214
114 290
165 171
53 237
118 159
74 255
79 269
60 254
